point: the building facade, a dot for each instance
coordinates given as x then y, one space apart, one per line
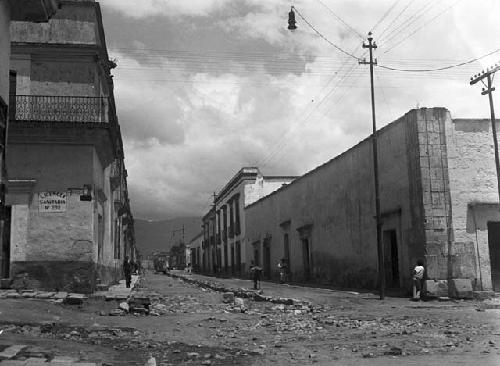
194 252
225 225
10 10
439 202
68 209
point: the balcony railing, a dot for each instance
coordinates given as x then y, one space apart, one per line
59 109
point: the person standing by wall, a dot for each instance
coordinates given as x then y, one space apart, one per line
418 279
282 266
127 271
256 273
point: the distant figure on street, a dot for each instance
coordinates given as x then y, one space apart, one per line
282 266
418 279
256 274
188 268
127 271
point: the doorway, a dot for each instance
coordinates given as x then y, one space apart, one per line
494 246
6 243
100 237
233 270
286 250
391 259
267 258
306 256
256 254
238 256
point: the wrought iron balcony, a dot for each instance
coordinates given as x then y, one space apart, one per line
41 108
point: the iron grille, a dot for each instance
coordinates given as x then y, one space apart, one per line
60 108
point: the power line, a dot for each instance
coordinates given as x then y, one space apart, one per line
282 142
326 39
307 120
441 68
419 13
341 20
423 25
397 17
385 15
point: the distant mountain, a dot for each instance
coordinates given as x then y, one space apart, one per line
154 236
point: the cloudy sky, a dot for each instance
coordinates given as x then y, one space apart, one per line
204 87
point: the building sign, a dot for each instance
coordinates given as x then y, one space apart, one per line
51 202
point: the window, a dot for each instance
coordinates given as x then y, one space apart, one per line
231 219
237 229
224 223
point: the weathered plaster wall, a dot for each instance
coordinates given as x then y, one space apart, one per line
262 187
435 194
41 241
474 195
62 76
4 50
72 24
64 236
54 71
336 202
54 166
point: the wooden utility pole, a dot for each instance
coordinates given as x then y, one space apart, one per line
489 75
380 248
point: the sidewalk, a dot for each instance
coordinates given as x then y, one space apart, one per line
115 292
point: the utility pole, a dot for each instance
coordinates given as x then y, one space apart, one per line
380 248
489 89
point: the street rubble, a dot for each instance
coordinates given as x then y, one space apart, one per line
289 319
210 323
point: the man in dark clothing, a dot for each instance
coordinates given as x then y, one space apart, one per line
256 273
127 271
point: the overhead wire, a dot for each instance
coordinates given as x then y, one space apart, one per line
354 31
441 68
396 18
282 142
423 25
323 37
385 15
280 148
408 22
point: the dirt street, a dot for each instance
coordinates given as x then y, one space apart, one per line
191 325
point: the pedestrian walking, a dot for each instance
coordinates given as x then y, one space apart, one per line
418 279
256 272
127 271
282 267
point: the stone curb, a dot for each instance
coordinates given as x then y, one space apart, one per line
240 292
69 298
57 297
